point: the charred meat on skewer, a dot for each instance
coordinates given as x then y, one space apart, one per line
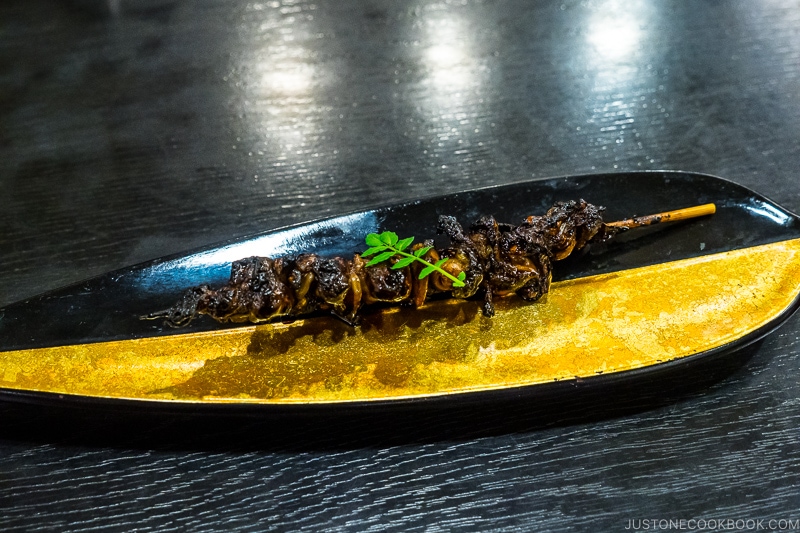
492 258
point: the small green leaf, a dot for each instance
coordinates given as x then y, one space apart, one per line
380 258
427 271
373 239
422 251
373 250
404 262
387 245
405 243
389 237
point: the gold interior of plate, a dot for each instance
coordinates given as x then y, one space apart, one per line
595 325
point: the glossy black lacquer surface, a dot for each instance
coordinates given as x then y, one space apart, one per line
137 129
109 307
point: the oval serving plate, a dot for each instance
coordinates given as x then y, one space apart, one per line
658 299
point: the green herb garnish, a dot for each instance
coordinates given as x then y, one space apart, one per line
388 245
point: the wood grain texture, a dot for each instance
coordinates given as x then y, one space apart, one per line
135 129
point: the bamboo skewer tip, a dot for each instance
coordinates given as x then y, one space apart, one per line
667 216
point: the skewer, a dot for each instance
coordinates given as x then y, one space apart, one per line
492 258
666 216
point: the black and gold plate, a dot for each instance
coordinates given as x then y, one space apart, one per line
654 300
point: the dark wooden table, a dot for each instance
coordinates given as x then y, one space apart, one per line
138 128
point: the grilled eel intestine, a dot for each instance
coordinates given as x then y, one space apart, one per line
497 259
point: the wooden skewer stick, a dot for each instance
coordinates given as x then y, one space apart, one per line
667 216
